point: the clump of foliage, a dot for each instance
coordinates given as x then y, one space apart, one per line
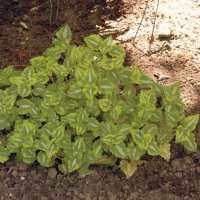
78 105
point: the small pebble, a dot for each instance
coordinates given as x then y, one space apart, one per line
188 159
37 187
198 169
14 173
178 175
126 187
81 196
164 30
22 178
52 173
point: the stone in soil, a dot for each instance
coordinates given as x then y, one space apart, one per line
52 173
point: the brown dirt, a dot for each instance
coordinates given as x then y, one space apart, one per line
176 55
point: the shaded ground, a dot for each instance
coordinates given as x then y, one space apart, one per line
176 54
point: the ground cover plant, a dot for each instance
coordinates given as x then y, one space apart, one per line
78 105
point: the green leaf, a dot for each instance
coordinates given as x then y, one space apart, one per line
92 124
106 45
28 72
58 133
172 92
16 139
4 154
126 76
119 137
41 77
137 136
71 118
12 90
66 144
38 63
105 86
80 128
90 76
13 148
54 52
150 129
53 149
117 51
29 127
119 150
24 106
79 73
65 33
190 143
93 107
156 116
55 99
165 134
3 122
104 159
134 152
158 88
90 91
84 171
75 91
18 80
115 112
87 53
61 108
175 89
43 143
104 63
74 163
82 116
63 168
117 62
108 139
28 152
24 90
98 148
44 160
75 54
28 141
136 75
128 167
124 128
2 94
181 134
31 81
165 151
153 149
63 37
72 104
7 71
108 128
129 91
9 101
172 118
89 157
105 104
191 122
146 81
39 89
147 97
93 41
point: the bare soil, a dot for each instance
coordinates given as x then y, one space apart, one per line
169 46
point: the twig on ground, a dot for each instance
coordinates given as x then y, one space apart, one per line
152 38
140 21
51 10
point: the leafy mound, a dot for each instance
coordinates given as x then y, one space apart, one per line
80 106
